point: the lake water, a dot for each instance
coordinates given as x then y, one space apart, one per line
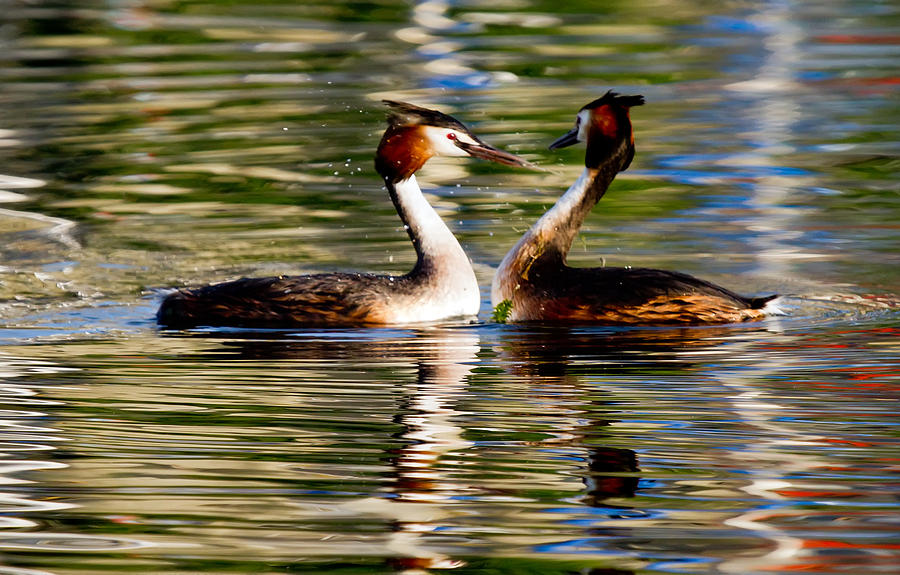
145 145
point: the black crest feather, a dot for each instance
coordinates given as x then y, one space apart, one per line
404 114
613 98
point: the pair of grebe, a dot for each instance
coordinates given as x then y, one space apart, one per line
533 282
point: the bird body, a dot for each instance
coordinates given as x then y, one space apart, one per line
321 300
535 283
626 296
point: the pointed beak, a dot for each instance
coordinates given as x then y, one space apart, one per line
485 152
565 141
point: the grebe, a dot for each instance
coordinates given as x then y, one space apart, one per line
533 282
441 285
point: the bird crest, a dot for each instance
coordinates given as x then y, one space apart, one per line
401 114
613 98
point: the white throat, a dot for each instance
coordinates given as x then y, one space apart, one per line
554 222
565 206
427 228
447 286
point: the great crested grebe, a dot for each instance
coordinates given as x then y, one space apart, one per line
533 282
441 285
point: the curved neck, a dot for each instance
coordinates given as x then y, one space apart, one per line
436 246
551 237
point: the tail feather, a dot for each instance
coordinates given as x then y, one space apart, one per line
769 305
760 302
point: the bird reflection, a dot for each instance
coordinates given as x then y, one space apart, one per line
601 486
565 365
559 350
554 362
423 490
418 491
425 493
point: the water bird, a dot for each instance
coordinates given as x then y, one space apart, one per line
441 285
533 282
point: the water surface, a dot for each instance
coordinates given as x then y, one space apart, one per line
145 145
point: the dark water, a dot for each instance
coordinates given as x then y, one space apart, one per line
149 145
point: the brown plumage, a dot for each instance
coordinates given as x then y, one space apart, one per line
628 296
441 285
315 300
539 286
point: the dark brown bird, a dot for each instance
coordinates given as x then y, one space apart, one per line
533 282
441 285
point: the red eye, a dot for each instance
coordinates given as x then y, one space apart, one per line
451 136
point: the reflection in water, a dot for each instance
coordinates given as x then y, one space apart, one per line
26 441
787 469
56 229
769 118
767 467
422 492
422 487
770 467
427 493
565 363
447 67
453 447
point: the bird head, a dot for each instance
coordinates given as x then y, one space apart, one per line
415 134
605 126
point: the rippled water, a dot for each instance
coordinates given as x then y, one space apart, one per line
149 145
